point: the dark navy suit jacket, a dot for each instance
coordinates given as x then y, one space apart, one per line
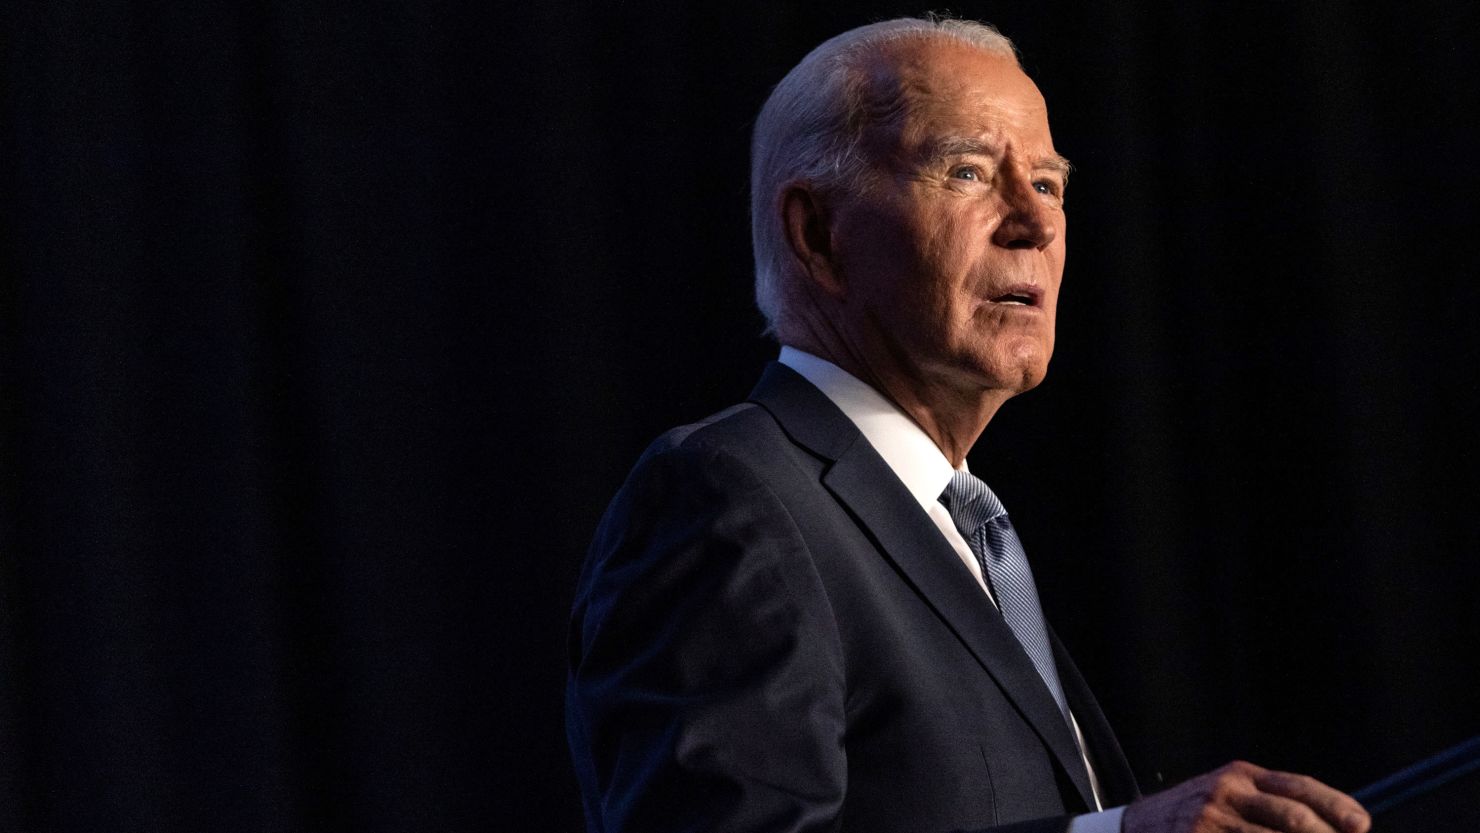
769 635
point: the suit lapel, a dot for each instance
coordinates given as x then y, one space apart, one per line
1117 782
864 483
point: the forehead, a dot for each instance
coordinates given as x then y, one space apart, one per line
935 88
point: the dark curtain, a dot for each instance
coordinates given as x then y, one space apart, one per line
327 330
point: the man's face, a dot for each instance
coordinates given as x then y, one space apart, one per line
952 256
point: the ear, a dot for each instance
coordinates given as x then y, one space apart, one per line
809 235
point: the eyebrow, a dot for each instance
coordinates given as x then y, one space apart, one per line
939 149
1057 162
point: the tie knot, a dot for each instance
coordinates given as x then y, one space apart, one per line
970 503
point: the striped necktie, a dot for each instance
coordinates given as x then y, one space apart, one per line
982 521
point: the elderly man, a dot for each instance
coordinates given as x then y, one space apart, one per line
804 613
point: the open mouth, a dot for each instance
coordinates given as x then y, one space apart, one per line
1024 296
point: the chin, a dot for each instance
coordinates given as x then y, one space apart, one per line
1032 379
1024 370
1012 377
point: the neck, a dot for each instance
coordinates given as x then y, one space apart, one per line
952 416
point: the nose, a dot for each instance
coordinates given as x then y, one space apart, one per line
1030 221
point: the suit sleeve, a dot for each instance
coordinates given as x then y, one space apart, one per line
706 688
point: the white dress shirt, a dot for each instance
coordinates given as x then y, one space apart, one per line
919 464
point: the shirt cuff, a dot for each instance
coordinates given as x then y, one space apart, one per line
1107 821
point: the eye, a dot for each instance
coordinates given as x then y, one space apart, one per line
970 173
1046 186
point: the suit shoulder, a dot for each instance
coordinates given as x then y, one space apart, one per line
740 451
699 497
739 426
744 436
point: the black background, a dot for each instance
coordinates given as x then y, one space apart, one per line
327 330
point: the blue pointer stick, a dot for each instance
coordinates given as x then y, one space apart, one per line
1426 775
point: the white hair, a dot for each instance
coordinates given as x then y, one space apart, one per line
809 130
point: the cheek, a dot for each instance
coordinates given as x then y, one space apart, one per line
1058 249
953 244
1056 274
969 236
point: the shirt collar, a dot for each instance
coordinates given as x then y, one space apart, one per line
905 447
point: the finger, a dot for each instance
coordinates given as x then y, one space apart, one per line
1337 808
1156 814
1283 814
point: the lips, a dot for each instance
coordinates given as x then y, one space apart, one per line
1022 295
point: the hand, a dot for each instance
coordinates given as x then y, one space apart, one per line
1243 798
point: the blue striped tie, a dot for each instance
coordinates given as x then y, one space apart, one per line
982 521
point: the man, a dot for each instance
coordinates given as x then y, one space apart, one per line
804 613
